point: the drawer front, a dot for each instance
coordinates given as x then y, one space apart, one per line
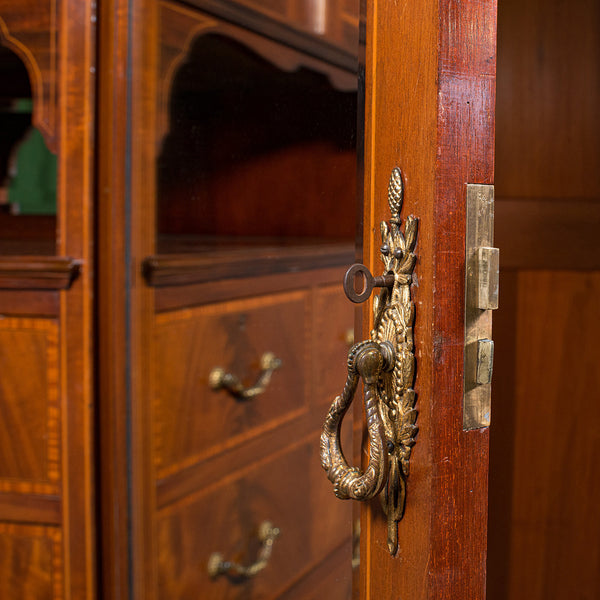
193 421
289 491
334 335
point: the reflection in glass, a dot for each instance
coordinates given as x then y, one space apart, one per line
255 151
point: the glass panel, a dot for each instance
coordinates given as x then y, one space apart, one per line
27 168
256 181
254 151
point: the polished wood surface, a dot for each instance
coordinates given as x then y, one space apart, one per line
75 228
47 483
291 409
526 233
43 303
38 551
548 84
191 419
30 449
544 524
237 258
429 110
555 553
543 529
152 385
281 490
38 272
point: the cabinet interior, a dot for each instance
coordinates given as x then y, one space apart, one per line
544 525
254 155
27 167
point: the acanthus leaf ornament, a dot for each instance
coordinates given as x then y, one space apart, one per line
386 363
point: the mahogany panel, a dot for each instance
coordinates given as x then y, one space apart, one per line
29 402
23 508
31 562
29 303
548 95
526 233
31 31
553 509
28 234
191 419
75 233
502 430
228 514
331 579
115 538
429 110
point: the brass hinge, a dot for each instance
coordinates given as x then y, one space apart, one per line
481 297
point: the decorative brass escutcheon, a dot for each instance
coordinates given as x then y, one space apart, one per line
386 363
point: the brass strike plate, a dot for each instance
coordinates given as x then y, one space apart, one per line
481 297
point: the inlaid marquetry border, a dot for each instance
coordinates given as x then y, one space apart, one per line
51 485
43 532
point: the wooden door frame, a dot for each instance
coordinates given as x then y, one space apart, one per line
125 236
429 109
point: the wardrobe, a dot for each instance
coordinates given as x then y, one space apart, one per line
181 193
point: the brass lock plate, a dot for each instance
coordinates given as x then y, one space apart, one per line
481 297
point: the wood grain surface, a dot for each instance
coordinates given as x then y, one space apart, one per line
544 470
31 449
191 419
47 402
429 110
548 87
38 550
38 272
281 489
543 524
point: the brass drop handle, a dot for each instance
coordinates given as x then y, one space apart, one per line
386 364
220 379
217 565
368 360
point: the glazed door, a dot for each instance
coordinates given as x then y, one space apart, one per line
194 457
47 490
429 110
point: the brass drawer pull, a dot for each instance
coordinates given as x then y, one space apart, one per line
217 565
386 363
220 379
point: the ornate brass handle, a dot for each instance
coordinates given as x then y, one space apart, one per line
217 565
386 363
220 379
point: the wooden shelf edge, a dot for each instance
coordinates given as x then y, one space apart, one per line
185 269
38 272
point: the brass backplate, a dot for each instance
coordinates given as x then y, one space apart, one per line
481 297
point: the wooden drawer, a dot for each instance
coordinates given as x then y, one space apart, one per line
193 421
291 492
334 334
